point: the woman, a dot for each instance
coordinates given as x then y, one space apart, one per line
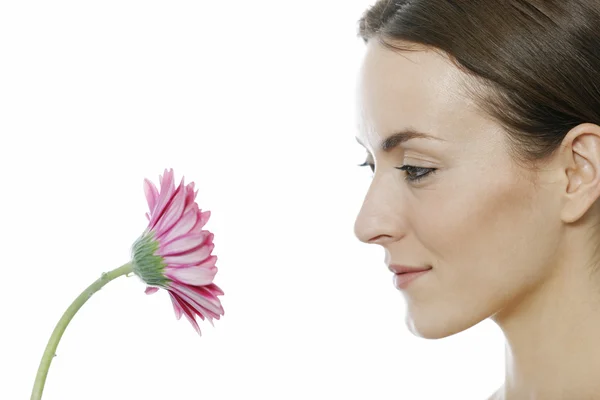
481 124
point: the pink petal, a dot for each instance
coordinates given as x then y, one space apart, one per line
191 258
176 307
173 212
197 276
202 312
167 188
190 317
151 290
189 193
204 218
214 289
209 262
151 194
192 296
184 244
184 226
198 309
205 292
189 314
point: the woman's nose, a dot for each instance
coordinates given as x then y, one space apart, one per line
379 220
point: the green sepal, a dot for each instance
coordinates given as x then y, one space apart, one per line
146 264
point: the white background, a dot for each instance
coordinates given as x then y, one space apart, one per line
254 101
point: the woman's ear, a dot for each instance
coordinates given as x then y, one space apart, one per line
581 163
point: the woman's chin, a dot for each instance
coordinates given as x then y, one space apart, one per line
436 328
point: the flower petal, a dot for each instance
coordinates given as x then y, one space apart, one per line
184 244
202 312
197 276
192 258
204 216
209 262
188 312
176 307
151 290
167 188
204 291
189 193
184 225
151 194
202 219
214 289
192 296
173 212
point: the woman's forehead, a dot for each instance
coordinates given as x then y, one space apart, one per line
420 90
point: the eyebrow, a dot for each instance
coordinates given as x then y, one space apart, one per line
400 137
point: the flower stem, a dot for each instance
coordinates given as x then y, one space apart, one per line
49 353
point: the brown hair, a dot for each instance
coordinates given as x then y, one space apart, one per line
539 59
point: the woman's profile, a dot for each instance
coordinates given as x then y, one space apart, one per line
481 121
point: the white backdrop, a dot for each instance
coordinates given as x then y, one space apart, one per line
254 101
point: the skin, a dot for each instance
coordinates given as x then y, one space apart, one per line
505 241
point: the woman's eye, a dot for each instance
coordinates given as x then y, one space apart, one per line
414 174
368 164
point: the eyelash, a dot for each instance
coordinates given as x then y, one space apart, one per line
409 169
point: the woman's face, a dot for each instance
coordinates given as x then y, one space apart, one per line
473 214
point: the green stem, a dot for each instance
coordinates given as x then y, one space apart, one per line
49 353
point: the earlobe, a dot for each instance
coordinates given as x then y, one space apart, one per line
582 168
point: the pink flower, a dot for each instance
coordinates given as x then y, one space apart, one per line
174 252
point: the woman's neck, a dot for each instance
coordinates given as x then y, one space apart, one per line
553 339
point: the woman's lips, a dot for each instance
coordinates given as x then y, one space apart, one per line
404 275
